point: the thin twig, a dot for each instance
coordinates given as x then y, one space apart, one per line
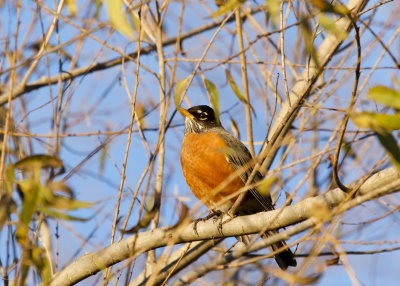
350 108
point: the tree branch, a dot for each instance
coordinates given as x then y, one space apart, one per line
302 88
379 184
70 75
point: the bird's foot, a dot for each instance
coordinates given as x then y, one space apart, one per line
222 219
203 219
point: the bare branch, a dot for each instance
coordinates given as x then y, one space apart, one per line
380 184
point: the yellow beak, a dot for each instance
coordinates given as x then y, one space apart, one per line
184 112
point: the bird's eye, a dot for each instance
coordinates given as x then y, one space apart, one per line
203 116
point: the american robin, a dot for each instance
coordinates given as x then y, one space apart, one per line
216 166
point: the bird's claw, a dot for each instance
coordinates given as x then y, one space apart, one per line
203 219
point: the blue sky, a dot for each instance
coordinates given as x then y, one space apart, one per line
99 102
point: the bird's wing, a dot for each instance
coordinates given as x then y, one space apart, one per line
239 156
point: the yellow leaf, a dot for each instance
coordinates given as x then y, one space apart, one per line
234 87
330 25
141 114
264 188
227 7
294 279
320 212
385 95
308 38
180 88
71 4
376 121
273 7
118 18
332 261
235 128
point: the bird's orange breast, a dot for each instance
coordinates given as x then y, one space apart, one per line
207 170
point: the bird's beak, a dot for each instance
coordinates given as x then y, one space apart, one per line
185 113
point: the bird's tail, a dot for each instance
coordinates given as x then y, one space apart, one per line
284 258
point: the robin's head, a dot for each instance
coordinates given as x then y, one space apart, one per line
202 119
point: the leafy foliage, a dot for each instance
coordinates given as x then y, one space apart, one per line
41 197
383 124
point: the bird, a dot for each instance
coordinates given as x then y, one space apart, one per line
216 165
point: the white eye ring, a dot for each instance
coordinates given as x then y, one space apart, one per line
203 116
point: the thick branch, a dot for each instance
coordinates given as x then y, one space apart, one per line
381 183
303 86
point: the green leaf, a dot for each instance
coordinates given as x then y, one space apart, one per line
42 263
376 121
60 202
103 155
30 189
214 96
237 91
10 179
45 194
228 6
180 88
330 25
118 18
234 87
390 144
382 124
38 161
325 6
60 215
385 95
60 186
98 4
7 207
348 149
